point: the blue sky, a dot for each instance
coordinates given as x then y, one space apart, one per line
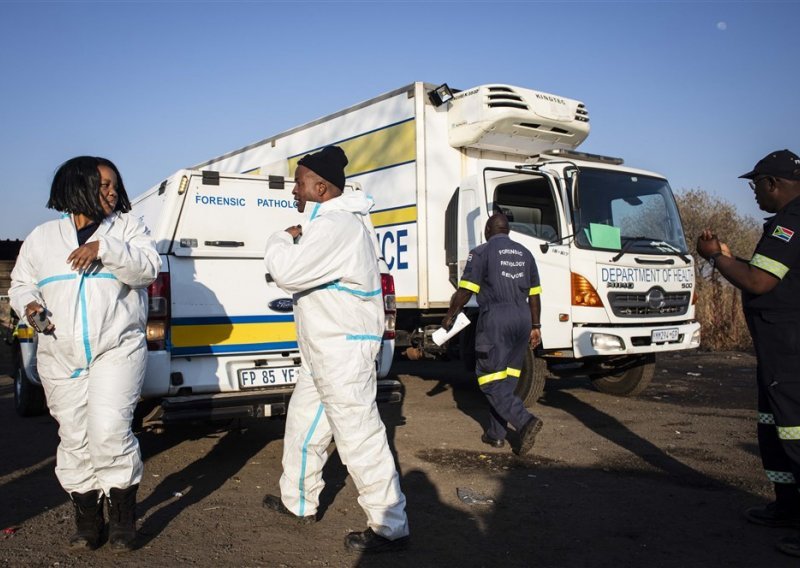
698 91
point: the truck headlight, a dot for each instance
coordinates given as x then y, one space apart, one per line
695 342
605 342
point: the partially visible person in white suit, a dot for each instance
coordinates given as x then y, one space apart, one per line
331 268
81 282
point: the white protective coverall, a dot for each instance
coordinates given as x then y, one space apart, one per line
333 275
92 367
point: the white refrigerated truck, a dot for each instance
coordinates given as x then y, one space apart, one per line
617 279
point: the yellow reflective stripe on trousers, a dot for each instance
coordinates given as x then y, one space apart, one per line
510 372
780 476
789 432
766 418
535 290
492 377
469 286
772 266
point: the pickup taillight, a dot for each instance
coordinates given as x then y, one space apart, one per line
158 313
389 305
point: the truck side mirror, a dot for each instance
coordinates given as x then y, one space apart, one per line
573 178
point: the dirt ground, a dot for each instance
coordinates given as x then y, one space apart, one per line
659 480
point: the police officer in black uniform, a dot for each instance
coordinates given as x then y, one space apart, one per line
770 284
504 276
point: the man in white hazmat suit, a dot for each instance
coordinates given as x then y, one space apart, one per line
87 273
332 272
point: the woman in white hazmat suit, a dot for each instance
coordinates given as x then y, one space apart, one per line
332 272
81 282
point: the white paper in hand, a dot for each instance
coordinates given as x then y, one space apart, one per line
441 335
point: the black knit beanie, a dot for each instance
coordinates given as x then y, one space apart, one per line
328 163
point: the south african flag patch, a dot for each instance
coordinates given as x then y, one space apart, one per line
783 233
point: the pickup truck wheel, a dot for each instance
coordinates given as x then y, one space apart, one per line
530 385
630 382
28 397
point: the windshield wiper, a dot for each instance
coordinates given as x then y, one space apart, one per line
669 247
653 243
628 244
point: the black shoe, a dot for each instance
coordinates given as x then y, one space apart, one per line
774 516
274 503
789 545
527 436
89 521
492 442
122 519
370 542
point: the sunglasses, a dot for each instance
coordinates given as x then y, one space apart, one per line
754 182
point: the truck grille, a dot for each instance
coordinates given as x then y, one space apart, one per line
653 303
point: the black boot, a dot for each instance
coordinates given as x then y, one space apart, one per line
274 503
122 519
370 542
89 522
527 436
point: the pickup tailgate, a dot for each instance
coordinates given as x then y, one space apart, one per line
230 330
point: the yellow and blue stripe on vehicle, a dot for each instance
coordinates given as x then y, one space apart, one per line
402 215
231 334
375 150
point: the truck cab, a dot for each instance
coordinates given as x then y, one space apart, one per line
617 278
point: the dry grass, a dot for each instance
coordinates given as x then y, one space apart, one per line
719 311
719 305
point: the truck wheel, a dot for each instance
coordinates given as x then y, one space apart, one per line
630 382
28 397
531 381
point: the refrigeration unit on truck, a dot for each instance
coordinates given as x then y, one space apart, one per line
221 337
617 279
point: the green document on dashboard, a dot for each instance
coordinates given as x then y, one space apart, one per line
604 236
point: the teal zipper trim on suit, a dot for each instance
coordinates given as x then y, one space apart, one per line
301 513
57 278
363 338
85 321
62 277
336 286
87 348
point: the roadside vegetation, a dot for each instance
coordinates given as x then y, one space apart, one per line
719 305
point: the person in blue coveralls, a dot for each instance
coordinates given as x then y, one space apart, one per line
503 274
330 266
81 282
770 285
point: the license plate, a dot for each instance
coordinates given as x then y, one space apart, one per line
267 377
664 335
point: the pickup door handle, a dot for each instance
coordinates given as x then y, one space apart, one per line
224 243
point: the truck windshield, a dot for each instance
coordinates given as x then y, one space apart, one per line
619 209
